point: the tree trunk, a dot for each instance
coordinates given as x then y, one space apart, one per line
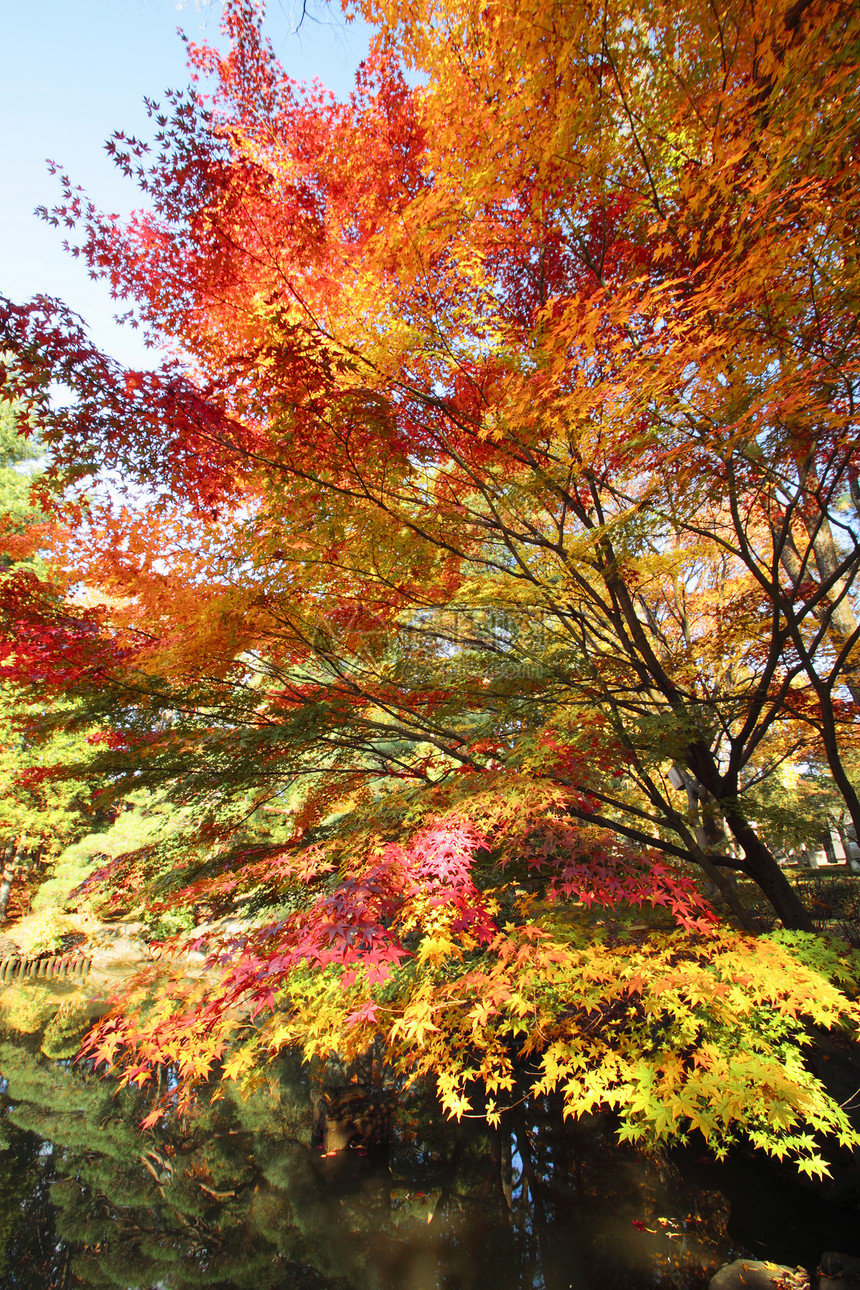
7 878
760 865
711 836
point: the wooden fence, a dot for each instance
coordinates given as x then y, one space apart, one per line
44 966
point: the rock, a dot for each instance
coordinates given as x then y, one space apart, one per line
838 1271
121 950
110 933
8 948
748 1274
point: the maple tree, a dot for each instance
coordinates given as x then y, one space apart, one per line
496 521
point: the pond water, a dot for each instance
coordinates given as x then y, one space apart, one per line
244 1194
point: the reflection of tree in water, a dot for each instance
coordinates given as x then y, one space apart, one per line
592 1207
29 1259
233 1196
181 1207
545 1204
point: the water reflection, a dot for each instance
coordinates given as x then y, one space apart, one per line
241 1195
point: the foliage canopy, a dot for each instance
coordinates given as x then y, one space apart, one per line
495 528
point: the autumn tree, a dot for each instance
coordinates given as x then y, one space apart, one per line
499 519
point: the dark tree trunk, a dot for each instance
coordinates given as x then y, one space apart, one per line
760 865
711 837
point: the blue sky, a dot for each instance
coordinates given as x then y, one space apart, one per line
73 71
